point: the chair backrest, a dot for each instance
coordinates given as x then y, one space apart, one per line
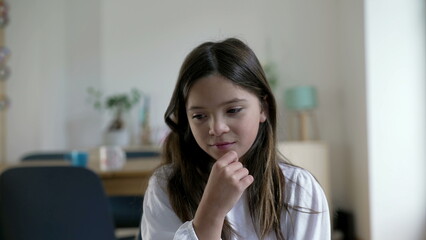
34 156
141 154
66 203
66 155
126 210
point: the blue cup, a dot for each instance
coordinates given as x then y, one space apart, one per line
79 159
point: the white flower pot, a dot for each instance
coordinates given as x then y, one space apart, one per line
117 138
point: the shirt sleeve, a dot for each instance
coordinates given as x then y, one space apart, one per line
159 221
308 210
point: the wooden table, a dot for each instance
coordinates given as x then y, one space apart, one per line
132 179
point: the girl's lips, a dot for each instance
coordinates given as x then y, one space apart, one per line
223 146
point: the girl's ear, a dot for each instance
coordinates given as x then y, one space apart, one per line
262 116
263 110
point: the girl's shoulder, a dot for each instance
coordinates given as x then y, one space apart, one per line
295 174
163 171
302 189
160 176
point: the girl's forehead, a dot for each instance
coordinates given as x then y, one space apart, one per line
215 82
216 90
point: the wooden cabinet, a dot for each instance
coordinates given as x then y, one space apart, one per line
313 156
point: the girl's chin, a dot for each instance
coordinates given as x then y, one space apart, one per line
218 155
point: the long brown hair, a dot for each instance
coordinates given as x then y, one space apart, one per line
235 61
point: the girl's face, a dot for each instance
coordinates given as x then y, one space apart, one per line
223 116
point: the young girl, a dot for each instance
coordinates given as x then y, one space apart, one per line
222 177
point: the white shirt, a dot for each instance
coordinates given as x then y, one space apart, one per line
159 221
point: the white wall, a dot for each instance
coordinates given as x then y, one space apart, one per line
352 75
55 56
36 36
83 69
144 44
396 100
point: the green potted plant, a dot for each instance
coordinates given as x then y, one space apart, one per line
271 73
118 105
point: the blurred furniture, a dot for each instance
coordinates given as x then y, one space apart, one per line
65 155
313 156
66 203
127 209
125 187
132 179
37 156
132 154
302 101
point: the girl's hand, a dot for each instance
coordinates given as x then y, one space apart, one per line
227 182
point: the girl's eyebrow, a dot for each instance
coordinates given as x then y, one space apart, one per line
234 100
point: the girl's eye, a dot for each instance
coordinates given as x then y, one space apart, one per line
198 116
234 110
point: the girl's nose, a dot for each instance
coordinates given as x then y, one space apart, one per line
218 127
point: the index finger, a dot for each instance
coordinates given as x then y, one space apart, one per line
227 158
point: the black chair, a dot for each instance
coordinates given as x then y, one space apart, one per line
126 210
141 154
66 155
51 203
37 156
